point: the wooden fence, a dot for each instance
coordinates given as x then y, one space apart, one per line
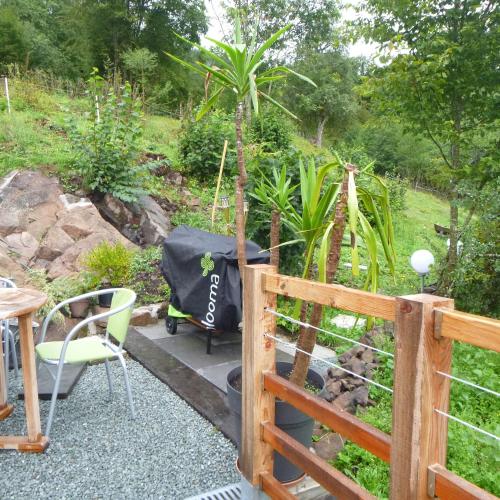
425 327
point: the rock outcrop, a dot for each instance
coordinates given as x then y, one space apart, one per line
40 226
144 222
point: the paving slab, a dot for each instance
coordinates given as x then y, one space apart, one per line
70 376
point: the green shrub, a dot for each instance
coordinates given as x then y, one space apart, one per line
146 277
397 187
201 145
107 150
272 131
38 279
109 264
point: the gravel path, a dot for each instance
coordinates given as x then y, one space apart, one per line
97 451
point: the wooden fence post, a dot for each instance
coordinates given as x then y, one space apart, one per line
258 355
419 435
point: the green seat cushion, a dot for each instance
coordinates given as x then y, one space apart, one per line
78 351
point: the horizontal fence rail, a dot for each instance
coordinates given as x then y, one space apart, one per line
425 327
317 468
352 428
341 297
476 330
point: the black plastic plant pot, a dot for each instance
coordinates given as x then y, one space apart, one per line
296 424
105 299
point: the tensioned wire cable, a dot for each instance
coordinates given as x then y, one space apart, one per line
307 325
312 356
467 424
471 384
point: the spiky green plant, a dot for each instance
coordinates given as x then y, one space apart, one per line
326 208
236 69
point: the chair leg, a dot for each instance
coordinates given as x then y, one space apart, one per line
6 353
108 374
13 352
53 399
127 385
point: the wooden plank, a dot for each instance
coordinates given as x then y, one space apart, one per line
22 443
274 489
338 296
419 435
258 355
18 301
326 475
448 486
470 328
5 411
29 377
364 435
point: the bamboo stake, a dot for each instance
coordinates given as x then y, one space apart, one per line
221 169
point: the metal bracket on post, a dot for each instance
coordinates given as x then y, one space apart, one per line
251 492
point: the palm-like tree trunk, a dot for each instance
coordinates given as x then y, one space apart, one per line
307 336
240 189
275 238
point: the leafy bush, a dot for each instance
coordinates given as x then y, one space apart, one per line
201 145
109 264
146 278
272 131
38 279
108 149
397 191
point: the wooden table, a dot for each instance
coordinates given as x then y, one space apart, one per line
21 303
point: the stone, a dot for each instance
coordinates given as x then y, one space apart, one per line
42 227
54 244
175 178
117 212
334 387
9 222
356 366
146 315
144 222
10 267
193 201
347 321
367 356
335 374
328 446
23 245
154 223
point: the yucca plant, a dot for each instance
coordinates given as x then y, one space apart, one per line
238 69
326 208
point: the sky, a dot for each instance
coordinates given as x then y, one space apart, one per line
217 26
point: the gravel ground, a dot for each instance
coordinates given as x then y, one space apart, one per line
97 451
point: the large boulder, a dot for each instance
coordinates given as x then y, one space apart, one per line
144 222
41 226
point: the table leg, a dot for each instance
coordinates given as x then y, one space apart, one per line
29 377
5 409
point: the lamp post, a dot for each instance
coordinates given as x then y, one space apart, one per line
421 262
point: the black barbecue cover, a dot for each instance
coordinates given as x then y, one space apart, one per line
202 271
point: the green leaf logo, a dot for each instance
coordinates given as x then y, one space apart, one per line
207 264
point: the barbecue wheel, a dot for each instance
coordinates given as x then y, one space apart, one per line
171 324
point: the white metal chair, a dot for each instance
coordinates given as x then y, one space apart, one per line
89 349
8 338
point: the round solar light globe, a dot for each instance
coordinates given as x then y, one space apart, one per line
421 261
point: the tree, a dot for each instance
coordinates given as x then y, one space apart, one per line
13 43
236 70
140 63
333 102
441 79
312 22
